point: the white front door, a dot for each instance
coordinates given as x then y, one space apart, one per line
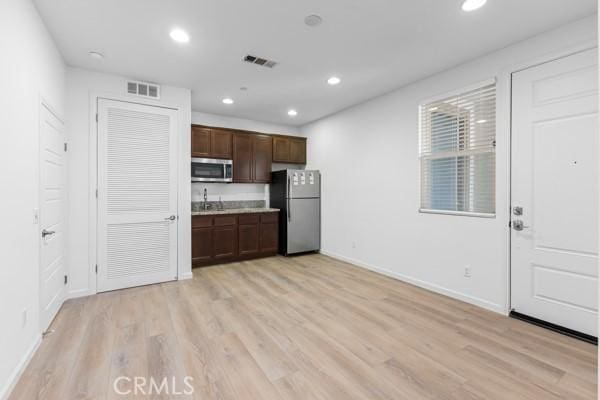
137 194
52 216
554 266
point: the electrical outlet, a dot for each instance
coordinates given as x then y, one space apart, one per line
24 318
467 271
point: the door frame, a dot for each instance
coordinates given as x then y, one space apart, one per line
515 68
93 183
44 103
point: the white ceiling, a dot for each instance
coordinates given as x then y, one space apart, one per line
374 46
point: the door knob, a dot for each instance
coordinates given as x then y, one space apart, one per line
47 233
518 225
171 218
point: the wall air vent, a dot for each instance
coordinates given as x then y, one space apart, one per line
143 89
260 61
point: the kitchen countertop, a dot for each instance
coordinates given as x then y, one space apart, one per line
236 211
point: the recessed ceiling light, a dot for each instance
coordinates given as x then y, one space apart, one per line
96 55
179 35
334 80
472 5
227 100
292 113
313 20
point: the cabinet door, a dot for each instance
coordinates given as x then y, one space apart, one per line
224 242
281 149
202 244
242 158
262 146
201 138
298 151
221 144
269 237
248 239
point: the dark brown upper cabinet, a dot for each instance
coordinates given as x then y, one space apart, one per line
262 148
297 151
200 141
289 149
211 142
242 158
221 143
252 158
252 153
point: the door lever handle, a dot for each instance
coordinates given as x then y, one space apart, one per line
518 225
170 218
47 233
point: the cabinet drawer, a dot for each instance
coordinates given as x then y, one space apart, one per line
269 217
248 219
225 220
201 221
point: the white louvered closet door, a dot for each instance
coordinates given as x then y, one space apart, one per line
137 195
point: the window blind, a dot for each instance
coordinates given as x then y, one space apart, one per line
457 151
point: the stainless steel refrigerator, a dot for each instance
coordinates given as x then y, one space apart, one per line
297 193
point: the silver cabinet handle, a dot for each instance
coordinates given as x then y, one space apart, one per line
47 233
171 218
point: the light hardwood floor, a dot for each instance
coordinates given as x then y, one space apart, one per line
307 327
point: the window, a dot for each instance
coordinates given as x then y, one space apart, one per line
458 153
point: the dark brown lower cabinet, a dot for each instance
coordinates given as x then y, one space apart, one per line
269 233
248 239
202 244
226 238
224 242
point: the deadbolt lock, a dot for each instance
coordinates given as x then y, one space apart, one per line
518 210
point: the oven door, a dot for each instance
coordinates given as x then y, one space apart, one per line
211 170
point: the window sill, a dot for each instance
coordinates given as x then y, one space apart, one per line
457 213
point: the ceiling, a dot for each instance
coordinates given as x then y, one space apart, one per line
374 46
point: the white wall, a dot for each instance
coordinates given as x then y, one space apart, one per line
30 67
238 191
368 155
83 87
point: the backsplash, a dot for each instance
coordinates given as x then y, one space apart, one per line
228 205
236 191
230 191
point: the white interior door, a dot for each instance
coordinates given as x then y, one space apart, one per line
52 216
137 194
554 267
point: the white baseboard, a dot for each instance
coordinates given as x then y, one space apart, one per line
73 294
186 275
14 377
488 305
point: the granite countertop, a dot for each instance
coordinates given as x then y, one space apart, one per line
236 211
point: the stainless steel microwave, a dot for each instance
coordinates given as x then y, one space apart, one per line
212 170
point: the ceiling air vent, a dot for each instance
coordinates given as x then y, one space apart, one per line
143 89
260 61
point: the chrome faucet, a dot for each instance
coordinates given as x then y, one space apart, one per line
205 199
